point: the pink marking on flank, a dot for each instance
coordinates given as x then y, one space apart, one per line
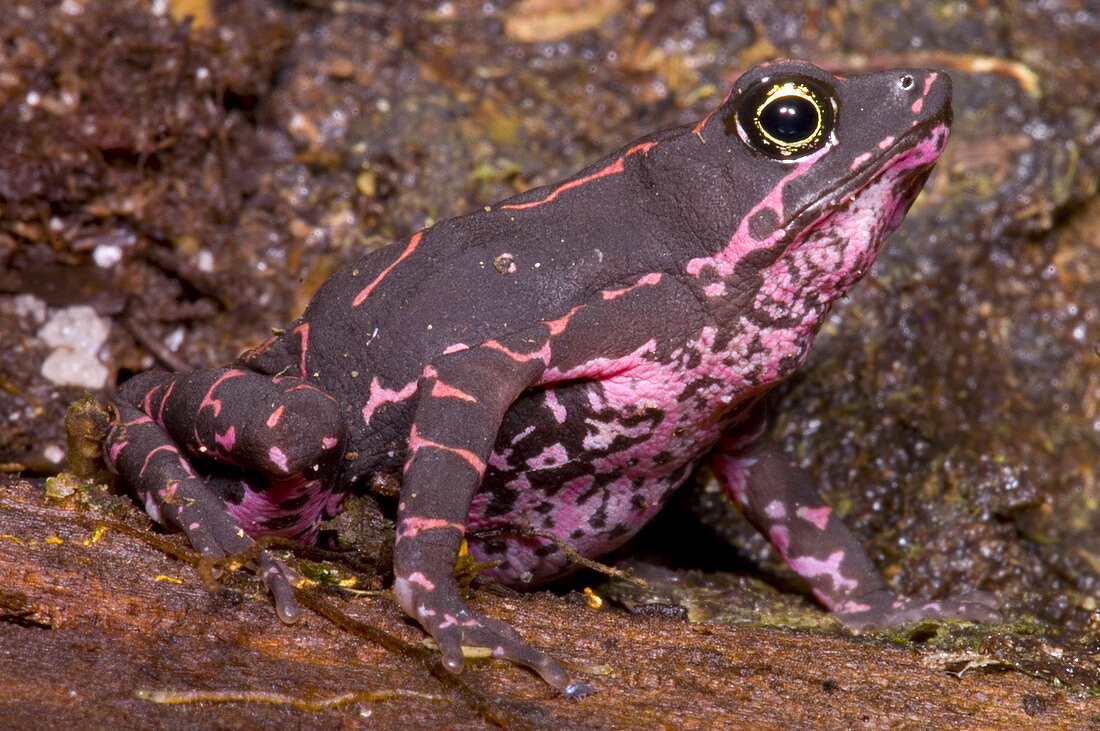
442 390
273 420
380 395
523 434
648 279
715 289
116 448
558 326
329 442
552 456
500 459
612 169
457 347
409 248
817 516
542 354
550 398
416 443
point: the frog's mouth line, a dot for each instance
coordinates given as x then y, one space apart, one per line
907 185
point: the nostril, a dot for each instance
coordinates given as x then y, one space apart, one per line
906 82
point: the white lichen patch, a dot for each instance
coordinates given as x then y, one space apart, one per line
76 335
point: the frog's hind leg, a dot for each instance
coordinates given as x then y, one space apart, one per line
272 445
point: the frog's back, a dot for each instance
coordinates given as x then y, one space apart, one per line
491 273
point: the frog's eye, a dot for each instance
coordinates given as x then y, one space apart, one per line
786 118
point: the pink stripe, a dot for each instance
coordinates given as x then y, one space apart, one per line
558 326
277 457
303 330
380 395
209 400
273 420
418 578
442 390
416 443
612 169
412 525
162 448
413 242
817 516
163 401
542 354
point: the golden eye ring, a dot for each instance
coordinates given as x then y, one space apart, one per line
786 118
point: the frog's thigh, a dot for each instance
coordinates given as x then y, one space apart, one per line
151 464
280 427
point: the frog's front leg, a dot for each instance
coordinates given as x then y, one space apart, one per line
779 501
461 400
275 439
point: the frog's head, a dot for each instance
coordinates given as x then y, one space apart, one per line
826 167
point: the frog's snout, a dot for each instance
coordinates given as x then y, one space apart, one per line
927 93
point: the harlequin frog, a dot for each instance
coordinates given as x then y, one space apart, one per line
561 361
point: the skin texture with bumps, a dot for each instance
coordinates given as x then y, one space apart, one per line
562 360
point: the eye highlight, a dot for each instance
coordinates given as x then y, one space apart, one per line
786 118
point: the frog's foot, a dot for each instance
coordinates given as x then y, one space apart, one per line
453 625
215 534
166 482
885 609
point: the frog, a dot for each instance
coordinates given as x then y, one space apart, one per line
535 379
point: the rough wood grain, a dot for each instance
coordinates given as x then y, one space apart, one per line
86 623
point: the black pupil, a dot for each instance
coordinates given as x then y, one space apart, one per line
789 119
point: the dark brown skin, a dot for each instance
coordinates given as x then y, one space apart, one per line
562 360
